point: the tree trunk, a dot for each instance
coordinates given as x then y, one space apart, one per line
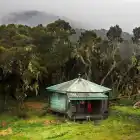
2 98
109 72
1 103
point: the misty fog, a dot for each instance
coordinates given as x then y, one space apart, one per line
95 14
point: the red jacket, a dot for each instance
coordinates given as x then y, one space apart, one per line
89 108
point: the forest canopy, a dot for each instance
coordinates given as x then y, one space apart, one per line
32 58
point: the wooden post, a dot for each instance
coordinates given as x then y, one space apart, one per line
74 117
102 104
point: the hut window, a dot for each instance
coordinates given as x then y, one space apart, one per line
59 97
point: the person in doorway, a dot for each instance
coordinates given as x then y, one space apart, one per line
89 108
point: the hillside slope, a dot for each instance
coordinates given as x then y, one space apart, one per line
33 18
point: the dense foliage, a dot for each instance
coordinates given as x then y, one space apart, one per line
34 57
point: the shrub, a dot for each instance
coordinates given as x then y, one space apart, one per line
22 115
126 102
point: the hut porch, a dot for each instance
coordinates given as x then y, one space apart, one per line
80 109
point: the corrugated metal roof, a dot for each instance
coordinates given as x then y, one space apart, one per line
78 85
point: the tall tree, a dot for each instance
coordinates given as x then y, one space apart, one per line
114 33
136 35
114 37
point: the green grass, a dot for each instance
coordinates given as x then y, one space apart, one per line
118 126
127 110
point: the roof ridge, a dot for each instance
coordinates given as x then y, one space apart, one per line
77 79
85 82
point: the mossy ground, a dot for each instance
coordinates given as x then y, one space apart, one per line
123 123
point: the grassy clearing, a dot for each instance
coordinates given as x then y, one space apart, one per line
117 127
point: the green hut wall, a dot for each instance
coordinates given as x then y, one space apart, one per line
58 102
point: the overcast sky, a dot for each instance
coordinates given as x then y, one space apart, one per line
97 13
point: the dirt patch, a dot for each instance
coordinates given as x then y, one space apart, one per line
48 122
32 121
35 105
6 132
